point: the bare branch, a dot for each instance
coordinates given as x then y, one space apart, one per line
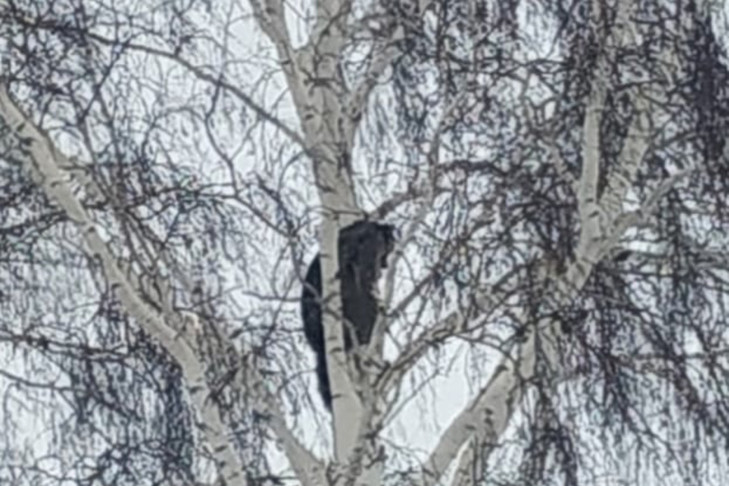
45 163
41 160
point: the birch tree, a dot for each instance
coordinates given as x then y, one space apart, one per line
554 311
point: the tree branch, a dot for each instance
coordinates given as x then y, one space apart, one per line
40 159
490 411
44 162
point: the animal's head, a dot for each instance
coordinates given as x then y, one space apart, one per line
367 243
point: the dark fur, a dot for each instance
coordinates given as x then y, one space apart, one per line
363 250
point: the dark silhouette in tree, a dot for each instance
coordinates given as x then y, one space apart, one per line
363 250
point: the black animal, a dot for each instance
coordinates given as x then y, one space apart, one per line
363 250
